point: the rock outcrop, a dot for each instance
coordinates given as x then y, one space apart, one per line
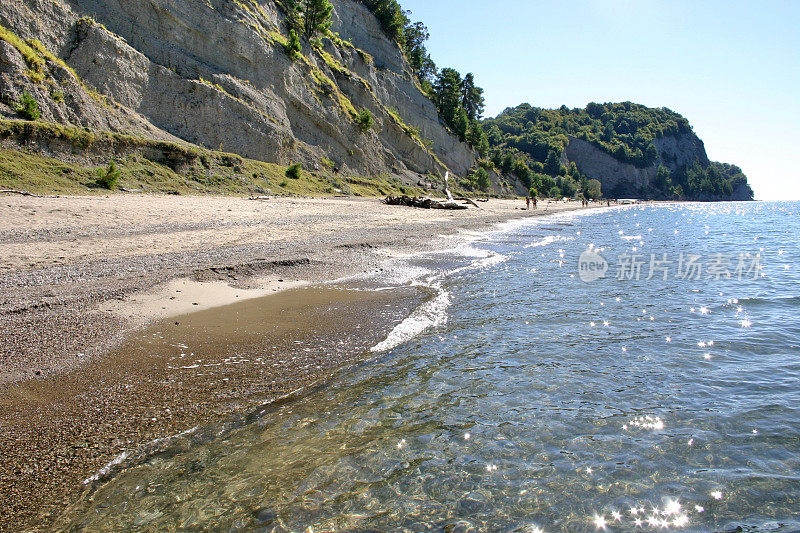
217 74
621 179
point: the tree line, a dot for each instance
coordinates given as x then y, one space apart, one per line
460 103
458 99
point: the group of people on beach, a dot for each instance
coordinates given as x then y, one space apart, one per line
531 200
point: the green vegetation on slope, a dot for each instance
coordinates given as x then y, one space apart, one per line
624 130
717 181
32 58
156 166
529 142
301 15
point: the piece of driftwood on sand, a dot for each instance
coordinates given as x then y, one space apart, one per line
450 196
424 203
431 203
469 201
21 193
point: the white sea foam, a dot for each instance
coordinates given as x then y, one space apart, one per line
433 312
469 251
394 272
550 239
106 469
401 273
397 270
510 226
489 260
430 314
124 456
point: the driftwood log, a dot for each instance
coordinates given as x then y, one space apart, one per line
430 203
469 201
424 203
22 193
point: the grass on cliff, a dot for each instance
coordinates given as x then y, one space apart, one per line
34 61
144 165
23 171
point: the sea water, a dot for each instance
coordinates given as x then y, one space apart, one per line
625 369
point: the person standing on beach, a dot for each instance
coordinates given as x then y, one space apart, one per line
527 202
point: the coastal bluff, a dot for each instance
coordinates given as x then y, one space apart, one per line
218 75
674 152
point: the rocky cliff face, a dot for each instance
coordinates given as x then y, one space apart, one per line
622 179
216 74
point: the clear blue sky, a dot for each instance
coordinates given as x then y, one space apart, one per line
732 67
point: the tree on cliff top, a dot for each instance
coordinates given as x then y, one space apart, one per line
410 36
294 14
624 130
316 17
415 36
472 97
447 90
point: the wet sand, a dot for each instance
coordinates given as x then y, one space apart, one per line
176 374
99 355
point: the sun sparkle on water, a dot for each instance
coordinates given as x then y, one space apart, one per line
550 433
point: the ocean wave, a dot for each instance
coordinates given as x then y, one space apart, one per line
778 300
131 458
550 239
186 440
401 271
565 218
469 251
430 314
489 260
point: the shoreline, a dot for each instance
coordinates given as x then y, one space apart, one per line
125 274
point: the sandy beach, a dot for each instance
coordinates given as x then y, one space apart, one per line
100 294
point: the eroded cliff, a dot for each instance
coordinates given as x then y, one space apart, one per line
622 179
217 74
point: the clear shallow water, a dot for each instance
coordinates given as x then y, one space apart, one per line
533 399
